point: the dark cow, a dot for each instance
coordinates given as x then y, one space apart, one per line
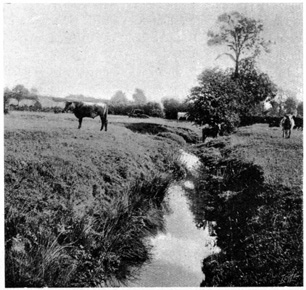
212 131
287 124
90 110
298 123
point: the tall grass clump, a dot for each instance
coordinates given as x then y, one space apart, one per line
258 226
51 240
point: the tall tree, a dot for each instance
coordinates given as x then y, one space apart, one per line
139 97
242 36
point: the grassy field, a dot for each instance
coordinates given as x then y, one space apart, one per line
252 186
80 203
281 159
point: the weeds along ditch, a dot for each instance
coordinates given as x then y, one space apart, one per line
259 225
79 206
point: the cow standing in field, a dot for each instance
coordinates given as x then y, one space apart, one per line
182 115
287 124
89 110
212 131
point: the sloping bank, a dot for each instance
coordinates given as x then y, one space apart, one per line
258 225
79 206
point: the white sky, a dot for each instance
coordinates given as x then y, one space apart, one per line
97 49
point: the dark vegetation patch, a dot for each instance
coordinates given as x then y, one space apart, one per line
259 221
149 128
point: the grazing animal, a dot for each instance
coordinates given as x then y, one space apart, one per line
90 110
212 131
287 124
182 115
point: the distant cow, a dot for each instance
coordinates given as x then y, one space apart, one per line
90 110
287 124
298 123
212 131
182 115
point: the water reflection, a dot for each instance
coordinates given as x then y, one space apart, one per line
178 253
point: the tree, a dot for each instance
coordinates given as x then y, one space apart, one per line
153 109
255 87
37 106
300 109
171 107
215 100
275 109
290 105
242 35
139 97
119 98
20 93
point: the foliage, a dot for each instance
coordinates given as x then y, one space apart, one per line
139 97
119 99
37 106
300 109
242 35
215 100
153 109
290 105
172 106
20 92
255 87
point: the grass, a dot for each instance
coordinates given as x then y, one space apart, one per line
252 188
79 204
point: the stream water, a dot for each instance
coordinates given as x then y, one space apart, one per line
179 252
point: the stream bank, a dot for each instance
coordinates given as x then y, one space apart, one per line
178 252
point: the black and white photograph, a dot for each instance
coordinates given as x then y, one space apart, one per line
152 144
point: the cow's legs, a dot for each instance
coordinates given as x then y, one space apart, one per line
80 123
103 123
289 133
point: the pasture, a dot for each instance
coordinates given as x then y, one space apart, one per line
72 195
69 193
252 187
